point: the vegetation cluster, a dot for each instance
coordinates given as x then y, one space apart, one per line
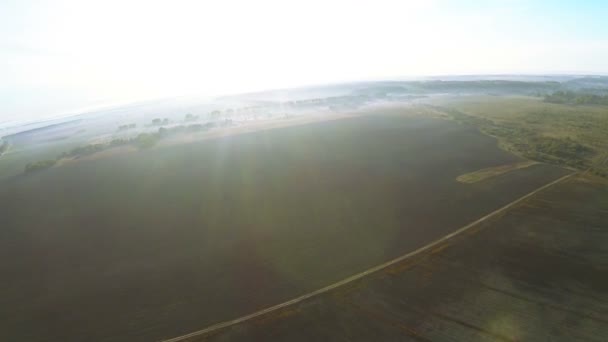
529 143
3 146
40 165
141 141
127 127
570 97
190 117
574 136
160 122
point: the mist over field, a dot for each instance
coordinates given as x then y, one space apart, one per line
158 218
388 170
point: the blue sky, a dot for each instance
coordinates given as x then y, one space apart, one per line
59 56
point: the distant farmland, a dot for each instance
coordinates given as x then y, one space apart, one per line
165 241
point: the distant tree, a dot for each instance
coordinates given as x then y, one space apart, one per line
195 128
3 146
190 117
86 150
126 127
118 142
146 140
569 97
163 132
157 122
40 165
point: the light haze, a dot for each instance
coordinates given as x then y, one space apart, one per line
65 55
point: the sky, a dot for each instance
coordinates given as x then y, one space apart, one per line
63 56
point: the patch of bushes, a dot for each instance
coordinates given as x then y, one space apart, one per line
127 127
147 140
3 147
569 97
40 165
599 172
160 122
189 117
84 150
142 141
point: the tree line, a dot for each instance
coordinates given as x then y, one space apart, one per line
127 127
570 97
141 141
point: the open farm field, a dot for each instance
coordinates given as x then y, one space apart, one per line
153 244
538 272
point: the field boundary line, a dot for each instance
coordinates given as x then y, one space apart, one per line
374 269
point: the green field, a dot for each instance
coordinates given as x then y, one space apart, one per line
155 243
562 134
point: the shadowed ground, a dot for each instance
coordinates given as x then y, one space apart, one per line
154 244
538 273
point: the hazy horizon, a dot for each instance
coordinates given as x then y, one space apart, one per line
100 107
58 57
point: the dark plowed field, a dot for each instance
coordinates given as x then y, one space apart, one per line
158 243
538 273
